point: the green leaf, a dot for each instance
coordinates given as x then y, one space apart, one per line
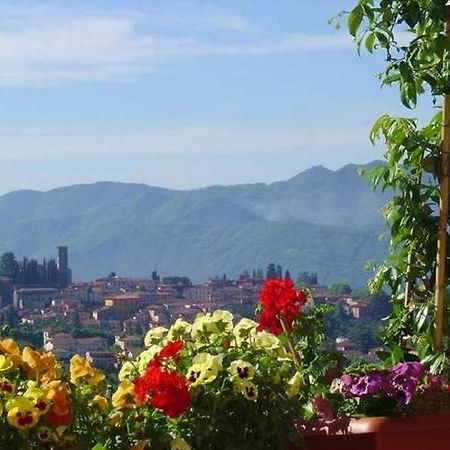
99 447
383 355
423 347
404 97
439 363
369 12
377 127
421 317
370 41
354 20
396 354
382 39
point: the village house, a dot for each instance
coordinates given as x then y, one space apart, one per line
34 297
64 345
124 305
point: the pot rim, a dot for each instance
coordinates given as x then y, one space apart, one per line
367 425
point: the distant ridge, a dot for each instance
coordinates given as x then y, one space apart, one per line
319 220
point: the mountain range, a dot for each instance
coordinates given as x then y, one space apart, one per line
320 220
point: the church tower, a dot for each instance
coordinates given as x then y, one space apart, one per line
64 273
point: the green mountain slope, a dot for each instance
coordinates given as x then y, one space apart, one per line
320 220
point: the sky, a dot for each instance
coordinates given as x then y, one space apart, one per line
180 94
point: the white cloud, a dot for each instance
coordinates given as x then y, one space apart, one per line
183 140
44 46
194 17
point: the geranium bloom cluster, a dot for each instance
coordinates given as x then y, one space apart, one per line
162 386
399 382
280 303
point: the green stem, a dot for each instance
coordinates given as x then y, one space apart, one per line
291 346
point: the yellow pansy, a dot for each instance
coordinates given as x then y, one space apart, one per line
6 386
146 356
223 320
293 385
43 365
179 444
39 399
269 343
204 369
266 341
80 368
32 358
241 370
178 330
202 328
51 368
9 346
243 330
99 402
248 389
5 363
45 434
22 413
154 336
124 397
127 371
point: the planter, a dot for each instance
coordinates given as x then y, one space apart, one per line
431 432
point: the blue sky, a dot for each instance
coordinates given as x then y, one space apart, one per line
180 94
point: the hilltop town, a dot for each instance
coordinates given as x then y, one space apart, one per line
110 315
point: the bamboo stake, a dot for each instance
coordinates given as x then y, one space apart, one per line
443 205
410 282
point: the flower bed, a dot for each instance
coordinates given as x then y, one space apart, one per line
213 384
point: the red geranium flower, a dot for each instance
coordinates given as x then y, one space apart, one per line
280 301
170 350
171 393
166 389
163 387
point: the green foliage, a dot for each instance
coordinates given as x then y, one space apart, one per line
339 288
411 36
271 272
363 333
155 276
177 280
9 267
307 279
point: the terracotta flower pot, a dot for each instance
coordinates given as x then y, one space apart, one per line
431 432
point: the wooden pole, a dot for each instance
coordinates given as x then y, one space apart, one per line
410 281
443 206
